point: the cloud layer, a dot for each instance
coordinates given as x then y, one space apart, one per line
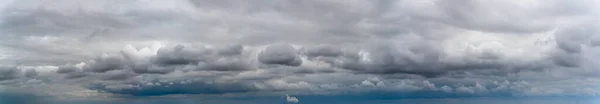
424 49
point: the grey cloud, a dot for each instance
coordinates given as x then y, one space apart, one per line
390 59
484 15
323 51
166 60
180 55
280 54
157 88
105 63
571 39
567 59
226 64
437 46
31 73
222 58
76 75
231 50
595 41
72 71
153 69
66 69
571 42
8 73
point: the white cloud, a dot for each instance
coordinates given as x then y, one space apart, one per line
291 99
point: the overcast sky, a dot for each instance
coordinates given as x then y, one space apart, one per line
277 51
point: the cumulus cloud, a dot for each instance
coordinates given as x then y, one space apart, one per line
291 99
152 48
280 54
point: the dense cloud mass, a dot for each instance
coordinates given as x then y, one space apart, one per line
404 48
8 73
280 54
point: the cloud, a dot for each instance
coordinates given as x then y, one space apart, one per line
532 16
157 88
104 63
30 73
66 69
291 99
9 73
280 54
166 60
463 48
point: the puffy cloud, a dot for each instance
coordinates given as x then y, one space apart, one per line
166 60
104 63
180 55
291 99
280 54
323 51
229 72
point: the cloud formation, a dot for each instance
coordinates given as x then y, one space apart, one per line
280 54
9 73
291 99
419 49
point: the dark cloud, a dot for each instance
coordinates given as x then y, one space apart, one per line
153 69
179 55
425 61
225 64
223 58
36 20
280 54
323 51
8 73
571 42
31 73
76 75
166 60
66 69
104 64
117 75
231 50
566 59
169 59
72 71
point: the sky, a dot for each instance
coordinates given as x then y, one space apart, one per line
299 51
